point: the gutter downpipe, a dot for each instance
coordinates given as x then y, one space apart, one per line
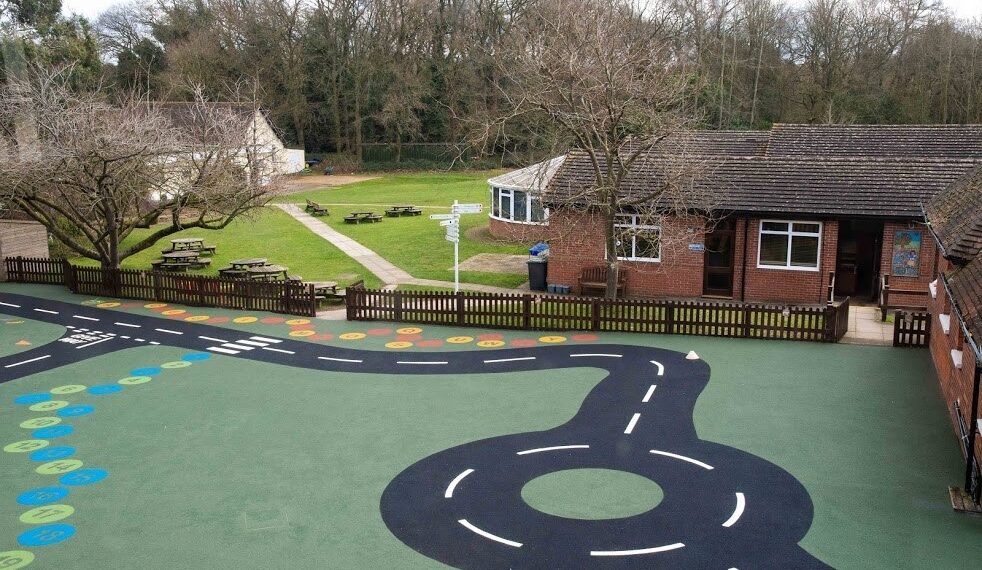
743 270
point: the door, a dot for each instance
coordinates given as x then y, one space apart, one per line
718 273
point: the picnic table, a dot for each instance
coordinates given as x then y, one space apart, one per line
267 272
189 244
325 288
359 217
247 262
180 260
316 209
407 210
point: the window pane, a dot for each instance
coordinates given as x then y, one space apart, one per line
520 206
646 244
538 212
810 228
804 251
774 226
773 249
495 207
506 205
624 242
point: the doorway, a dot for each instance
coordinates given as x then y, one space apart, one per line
718 259
857 260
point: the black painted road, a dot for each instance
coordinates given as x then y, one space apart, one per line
723 508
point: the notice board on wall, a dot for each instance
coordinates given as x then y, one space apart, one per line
906 253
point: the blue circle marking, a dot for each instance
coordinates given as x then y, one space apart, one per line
42 496
104 389
195 356
53 431
28 399
75 411
52 453
148 371
81 477
46 535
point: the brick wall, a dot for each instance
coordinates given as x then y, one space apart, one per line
511 231
22 238
788 286
926 271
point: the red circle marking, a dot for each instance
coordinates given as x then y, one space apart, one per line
584 337
272 320
323 336
432 343
523 342
218 320
491 336
409 337
378 332
305 327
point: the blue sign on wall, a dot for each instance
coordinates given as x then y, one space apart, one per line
697 247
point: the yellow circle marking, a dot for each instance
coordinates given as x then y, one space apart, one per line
490 343
47 514
36 423
352 336
134 380
170 312
552 339
243 320
14 559
460 339
47 407
58 467
398 344
108 305
303 333
26 445
68 389
176 364
154 305
409 330
298 322
197 318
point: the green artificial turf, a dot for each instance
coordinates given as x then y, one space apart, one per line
18 335
592 494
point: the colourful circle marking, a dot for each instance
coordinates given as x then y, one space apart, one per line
409 330
35 423
155 305
552 339
46 535
108 305
460 339
52 453
197 318
308 326
398 344
29 399
523 343
409 337
26 445
14 559
75 411
58 467
218 320
378 332
490 343
47 514
298 322
301 333
272 320
105 389
244 320
196 356
431 343
134 380
82 477
324 336
491 336
52 432
68 389
170 312
148 371
352 336
41 496
175 364
584 337
48 406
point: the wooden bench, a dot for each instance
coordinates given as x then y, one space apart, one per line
340 293
316 209
359 217
205 249
396 211
593 281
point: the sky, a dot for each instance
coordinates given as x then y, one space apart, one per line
92 8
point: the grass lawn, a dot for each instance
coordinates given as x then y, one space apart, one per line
269 233
416 243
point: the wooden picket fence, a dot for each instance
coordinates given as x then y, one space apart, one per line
911 328
277 297
528 312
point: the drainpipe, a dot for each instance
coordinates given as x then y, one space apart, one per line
743 270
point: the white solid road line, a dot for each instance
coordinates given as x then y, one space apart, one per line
212 339
85 318
607 355
649 394
738 512
448 494
168 331
223 350
238 346
632 423
264 339
661 367
28 361
553 448
422 362
488 535
509 359
252 343
683 458
46 311
139 340
127 325
152 342
339 359
92 343
654 550
278 350
10 305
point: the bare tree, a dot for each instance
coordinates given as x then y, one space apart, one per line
92 171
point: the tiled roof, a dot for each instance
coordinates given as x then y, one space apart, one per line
713 143
871 141
188 116
966 290
956 217
533 177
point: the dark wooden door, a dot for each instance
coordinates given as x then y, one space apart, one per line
718 259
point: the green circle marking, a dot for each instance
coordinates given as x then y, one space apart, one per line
35 423
176 364
68 389
592 494
47 514
58 467
134 380
13 559
26 445
47 407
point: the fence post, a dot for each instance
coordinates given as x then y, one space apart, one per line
71 279
20 269
526 312
397 306
884 297
745 311
831 323
349 302
460 308
155 277
669 317
595 309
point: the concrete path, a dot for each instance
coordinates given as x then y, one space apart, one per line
865 327
390 275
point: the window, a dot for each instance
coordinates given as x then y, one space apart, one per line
789 245
517 206
636 241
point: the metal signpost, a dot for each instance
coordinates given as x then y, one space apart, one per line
451 222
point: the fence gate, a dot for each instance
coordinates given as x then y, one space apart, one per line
911 328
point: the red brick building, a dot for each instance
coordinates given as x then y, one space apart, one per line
795 208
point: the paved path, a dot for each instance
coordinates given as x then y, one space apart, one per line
389 274
866 327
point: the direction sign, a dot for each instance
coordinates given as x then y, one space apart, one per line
452 231
468 208
442 216
451 238
449 223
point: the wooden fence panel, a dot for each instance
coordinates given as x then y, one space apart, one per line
911 328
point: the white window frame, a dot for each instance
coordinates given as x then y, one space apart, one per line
790 233
510 215
634 225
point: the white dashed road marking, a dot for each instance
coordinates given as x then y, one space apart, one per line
222 350
632 423
10 305
661 367
252 343
127 325
488 535
264 339
649 394
654 550
448 494
741 504
168 331
588 354
46 311
339 359
85 318
508 359
422 362
683 458
553 448
212 339
238 346
92 343
277 350
152 342
28 361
